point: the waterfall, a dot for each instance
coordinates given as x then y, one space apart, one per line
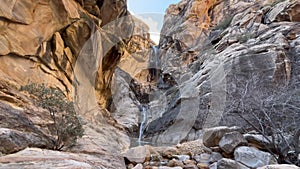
154 63
144 120
155 56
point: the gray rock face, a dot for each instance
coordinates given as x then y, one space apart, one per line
212 136
246 65
126 110
231 140
252 157
284 11
14 140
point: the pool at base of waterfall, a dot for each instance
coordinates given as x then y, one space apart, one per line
134 142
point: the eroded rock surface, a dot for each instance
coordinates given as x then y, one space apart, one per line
252 157
57 43
221 62
39 158
212 136
231 140
242 66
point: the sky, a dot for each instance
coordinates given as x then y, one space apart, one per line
147 6
151 12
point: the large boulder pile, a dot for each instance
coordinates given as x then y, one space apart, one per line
219 148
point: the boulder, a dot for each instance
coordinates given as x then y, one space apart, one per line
258 140
190 166
167 152
174 163
226 163
182 158
212 136
279 166
202 166
252 157
214 157
213 165
138 154
138 166
202 158
232 140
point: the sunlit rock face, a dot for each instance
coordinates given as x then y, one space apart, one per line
244 64
74 46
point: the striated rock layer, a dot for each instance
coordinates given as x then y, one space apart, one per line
243 68
221 62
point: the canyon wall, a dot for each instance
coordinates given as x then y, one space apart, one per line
240 64
218 62
73 46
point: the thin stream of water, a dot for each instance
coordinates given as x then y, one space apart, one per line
144 120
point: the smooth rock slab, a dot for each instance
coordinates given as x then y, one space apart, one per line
35 158
231 140
252 157
212 136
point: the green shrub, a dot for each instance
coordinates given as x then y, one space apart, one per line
67 127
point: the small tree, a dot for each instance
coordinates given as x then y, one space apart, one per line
67 127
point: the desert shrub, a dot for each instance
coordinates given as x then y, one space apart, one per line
274 114
67 127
